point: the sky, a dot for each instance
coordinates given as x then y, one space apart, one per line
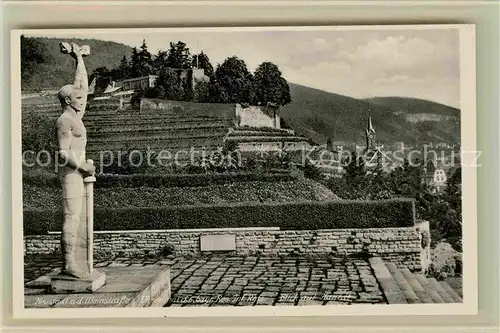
418 63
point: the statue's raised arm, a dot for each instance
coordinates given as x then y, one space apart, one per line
81 79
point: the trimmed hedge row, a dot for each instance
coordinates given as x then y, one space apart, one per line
165 180
260 129
161 134
287 216
268 138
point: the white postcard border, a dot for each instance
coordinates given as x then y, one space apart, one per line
469 184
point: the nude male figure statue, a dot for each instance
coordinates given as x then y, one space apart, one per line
72 140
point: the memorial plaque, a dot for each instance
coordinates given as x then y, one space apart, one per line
217 242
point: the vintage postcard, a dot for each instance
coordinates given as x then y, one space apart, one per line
244 171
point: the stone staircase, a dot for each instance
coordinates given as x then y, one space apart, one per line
401 286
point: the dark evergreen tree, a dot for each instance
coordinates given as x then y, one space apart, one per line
169 85
124 68
178 56
160 62
134 63
141 62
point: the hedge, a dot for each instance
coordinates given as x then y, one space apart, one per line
268 138
260 133
307 215
165 180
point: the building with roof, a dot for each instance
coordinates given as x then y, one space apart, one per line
143 82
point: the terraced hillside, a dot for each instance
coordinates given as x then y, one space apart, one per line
182 131
110 129
166 131
264 134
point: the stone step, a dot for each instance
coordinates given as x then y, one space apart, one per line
389 286
416 286
455 285
403 285
429 288
451 291
442 292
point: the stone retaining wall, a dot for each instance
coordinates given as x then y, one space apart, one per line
403 246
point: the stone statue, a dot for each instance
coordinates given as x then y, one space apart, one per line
72 140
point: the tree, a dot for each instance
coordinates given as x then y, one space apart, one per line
406 180
178 56
202 61
160 62
329 144
124 68
216 93
354 167
169 85
453 189
134 61
100 72
141 62
202 92
233 81
145 61
269 86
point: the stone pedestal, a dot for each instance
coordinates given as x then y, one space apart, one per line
134 286
64 284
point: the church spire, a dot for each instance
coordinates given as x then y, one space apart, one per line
370 126
370 133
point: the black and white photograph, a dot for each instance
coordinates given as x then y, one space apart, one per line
245 171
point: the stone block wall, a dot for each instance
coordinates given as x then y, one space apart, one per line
399 245
257 116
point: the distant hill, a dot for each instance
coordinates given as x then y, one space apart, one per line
320 114
414 106
45 67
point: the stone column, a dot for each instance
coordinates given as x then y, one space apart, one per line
89 198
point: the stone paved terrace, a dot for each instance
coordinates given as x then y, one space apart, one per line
238 281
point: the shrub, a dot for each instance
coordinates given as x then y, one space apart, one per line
38 132
444 261
289 216
312 171
159 180
135 99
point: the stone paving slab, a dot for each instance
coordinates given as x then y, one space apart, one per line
252 281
